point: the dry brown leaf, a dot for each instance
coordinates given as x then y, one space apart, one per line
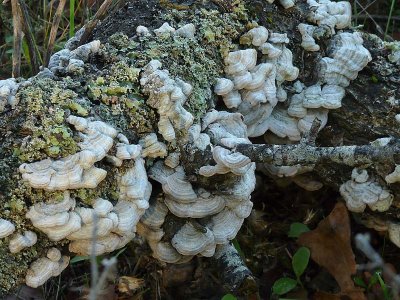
331 248
129 285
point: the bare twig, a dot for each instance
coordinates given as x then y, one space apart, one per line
53 32
97 17
93 260
379 17
304 154
234 272
33 53
363 243
16 57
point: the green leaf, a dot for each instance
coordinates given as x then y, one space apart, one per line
300 261
296 229
229 297
78 258
384 287
360 282
235 244
283 285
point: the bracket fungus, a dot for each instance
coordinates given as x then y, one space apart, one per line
361 191
45 267
184 137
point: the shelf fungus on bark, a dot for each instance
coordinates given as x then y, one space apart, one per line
72 61
207 216
361 191
167 96
333 14
8 89
77 170
46 267
6 228
21 241
152 147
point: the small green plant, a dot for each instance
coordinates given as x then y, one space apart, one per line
300 262
228 297
296 229
375 279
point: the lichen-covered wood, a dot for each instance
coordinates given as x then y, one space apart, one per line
177 93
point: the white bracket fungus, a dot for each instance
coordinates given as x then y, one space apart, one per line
8 89
61 60
307 39
347 57
46 267
394 176
77 170
332 14
216 215
165 29
361 191
21 241
167 96
152 147
6 228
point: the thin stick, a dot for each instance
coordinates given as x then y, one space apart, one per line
93 261
53 32
92 24
234 272
33 52
16 57
289 155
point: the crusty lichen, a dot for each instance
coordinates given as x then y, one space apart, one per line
109 90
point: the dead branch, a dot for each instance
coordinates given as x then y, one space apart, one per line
26 22
53 32
16 57
305 154
97 17
234 272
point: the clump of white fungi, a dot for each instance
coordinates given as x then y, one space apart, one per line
263 98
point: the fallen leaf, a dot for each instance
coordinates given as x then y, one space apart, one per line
129 285
331 248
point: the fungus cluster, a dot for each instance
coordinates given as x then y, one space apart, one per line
184 211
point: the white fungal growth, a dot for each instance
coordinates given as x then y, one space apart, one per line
167 96
61 60
152 147
285 3
394 176
142 31
255 89
8 89
186 200
77 170
21 241
361 191
6 228
186 31
333 14
257 36
347 57
307 39
165 29
46 267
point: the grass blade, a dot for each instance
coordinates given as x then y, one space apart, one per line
17 44
71 18
53 32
